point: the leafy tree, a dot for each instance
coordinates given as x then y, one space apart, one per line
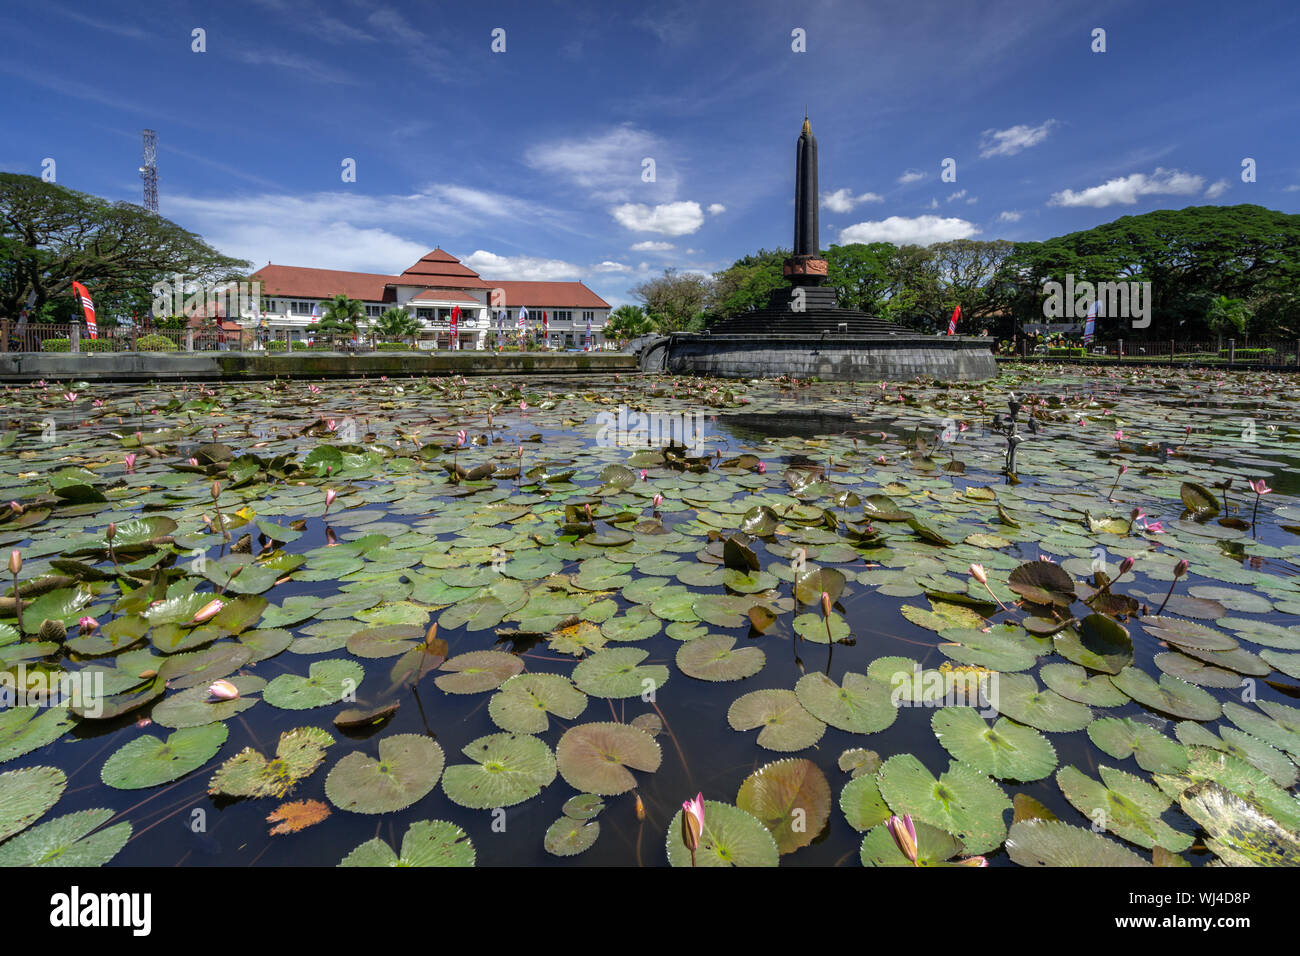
397 324
1227 317
674 301
340 317
747 284
51 235
861 274
628 322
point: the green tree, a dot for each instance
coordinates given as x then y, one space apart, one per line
1227 317
340 317
51 235
628 322
397 324
746 284
861 274
674 301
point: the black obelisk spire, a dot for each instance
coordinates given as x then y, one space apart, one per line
805 193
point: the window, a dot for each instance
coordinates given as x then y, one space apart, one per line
374 311
588 316
301 307
562 316
424 314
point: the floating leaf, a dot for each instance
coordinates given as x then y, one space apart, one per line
523 702
1124 805
69 840
426 843
792 799
618 672
1019 697
1170 695
1122 737
249 774
25 795
861 705
595 757
478 671
296 816
328 682
1006 750
24 729
1053 843
961 801
507 769
786 725
730 837
569 837
713 658
148 761
408 767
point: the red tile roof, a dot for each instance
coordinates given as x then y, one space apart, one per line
548 295
441 269
304 283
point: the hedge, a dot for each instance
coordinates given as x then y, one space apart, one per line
1249 353
276 345
154 343
1074 352
86 345
392 347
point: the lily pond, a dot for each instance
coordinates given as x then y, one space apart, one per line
448 622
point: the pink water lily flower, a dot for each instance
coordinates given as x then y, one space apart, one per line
129 461
762 468
208 611
903 830
693 823
1260 487
70 396
223 690
644 473
460 437
330 495
88 625
657 500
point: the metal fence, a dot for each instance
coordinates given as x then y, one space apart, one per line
56 337
1264 353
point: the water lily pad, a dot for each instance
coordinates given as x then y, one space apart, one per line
792 799
934 847
715 658
596 757
862 804
1073 683
507 769
786 725
522 704
426 843
1123 805
1100 644
249 774
1053 843
26 794
569 837
1019 697
860 705
1238 829
329 682
407 768
618 672
477 671
730 837
148 761
25 729
1170 695
1006 750
1122 737
961 801
70 840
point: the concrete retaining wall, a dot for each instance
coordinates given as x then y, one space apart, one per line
211 366
958 358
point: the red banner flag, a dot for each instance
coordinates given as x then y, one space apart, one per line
87 306
952 323
455 321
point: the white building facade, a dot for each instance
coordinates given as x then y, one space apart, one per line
430 291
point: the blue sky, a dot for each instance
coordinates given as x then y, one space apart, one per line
528 164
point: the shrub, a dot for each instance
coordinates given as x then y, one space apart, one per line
392 347
1071 352
1249 353
275 345
300 346
154 343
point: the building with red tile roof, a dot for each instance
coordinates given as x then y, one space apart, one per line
430 290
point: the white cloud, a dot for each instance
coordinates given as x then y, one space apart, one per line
911 176
1293 188
608 164
610 265
669 219
843 200
959 194
716 208
492 266
1009 215
1008 142
1216 189
652 245
1127 189
903 230
934 204
347 230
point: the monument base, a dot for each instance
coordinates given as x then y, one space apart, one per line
829 357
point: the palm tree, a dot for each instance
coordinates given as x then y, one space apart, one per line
341 317
1227 315
628 322
397 324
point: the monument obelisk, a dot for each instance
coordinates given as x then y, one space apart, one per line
805 267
